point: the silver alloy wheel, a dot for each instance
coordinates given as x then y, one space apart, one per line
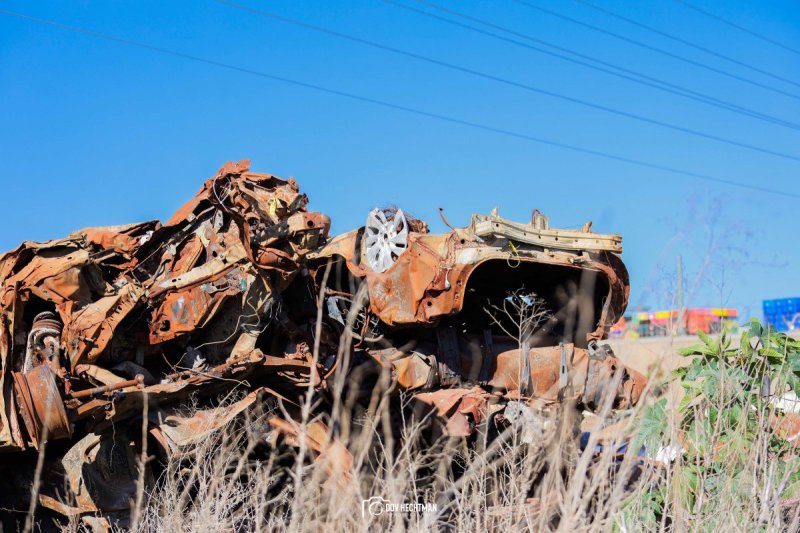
385 239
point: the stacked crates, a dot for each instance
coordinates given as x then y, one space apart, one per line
783 314
705 319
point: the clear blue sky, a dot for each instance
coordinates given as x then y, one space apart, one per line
96 132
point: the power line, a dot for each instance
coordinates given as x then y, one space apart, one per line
398 107
739 27
506 81
661 51
690 44
632 75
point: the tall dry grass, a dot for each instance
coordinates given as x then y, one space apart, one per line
638 470
527 477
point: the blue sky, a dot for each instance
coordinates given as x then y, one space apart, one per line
97 132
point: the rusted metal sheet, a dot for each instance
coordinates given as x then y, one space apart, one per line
40 404
242 289
430 279
181 430
462 409
173 278
100 474
590 381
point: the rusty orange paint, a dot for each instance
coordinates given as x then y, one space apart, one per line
237 290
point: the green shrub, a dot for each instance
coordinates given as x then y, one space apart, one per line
733 460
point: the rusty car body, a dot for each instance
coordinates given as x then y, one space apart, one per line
242 287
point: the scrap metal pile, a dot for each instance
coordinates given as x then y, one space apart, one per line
243 288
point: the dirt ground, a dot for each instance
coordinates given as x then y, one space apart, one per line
651 354
656 357
657 353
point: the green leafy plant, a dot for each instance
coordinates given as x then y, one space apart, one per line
725 424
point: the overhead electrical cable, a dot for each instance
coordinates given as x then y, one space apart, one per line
506 81
739 27
661 51
613 70
685 42
399 107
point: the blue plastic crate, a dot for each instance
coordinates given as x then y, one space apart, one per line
775 320
778 309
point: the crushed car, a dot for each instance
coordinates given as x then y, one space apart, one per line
106 333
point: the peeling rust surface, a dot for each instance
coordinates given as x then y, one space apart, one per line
225 297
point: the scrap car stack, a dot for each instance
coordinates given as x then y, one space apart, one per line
243 289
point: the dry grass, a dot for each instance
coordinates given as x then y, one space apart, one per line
529 475
523 479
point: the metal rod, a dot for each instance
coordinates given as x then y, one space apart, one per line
137 381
